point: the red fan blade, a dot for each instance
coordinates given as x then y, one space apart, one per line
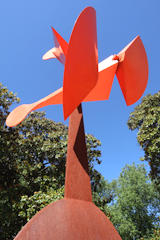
132 72
81 67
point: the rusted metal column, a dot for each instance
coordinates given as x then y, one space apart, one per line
77 180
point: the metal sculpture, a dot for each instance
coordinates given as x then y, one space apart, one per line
75 216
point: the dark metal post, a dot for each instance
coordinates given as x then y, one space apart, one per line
77 180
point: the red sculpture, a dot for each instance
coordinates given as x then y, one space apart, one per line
75 217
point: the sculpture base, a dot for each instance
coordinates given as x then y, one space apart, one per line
69 219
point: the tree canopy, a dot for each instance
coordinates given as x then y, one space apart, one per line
135 209
146 119
32 164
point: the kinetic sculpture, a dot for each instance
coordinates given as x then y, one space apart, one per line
75 217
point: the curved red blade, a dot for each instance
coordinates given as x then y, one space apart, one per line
81 67
132 72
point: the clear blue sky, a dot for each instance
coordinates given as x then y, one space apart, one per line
25 35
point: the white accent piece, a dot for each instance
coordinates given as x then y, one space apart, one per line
106 63
49 54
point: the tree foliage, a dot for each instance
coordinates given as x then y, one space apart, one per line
146 119
136 205
32 165
29 206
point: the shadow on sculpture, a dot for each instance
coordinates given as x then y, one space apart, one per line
76 217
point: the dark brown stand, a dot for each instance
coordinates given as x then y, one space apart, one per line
77 180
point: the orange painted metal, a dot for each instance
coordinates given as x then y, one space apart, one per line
132 72
81 66
19 113
130 66
101 91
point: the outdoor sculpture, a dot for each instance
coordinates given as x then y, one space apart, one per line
75 217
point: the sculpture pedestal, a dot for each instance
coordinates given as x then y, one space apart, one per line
69 219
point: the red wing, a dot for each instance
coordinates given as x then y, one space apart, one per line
81 67
132 72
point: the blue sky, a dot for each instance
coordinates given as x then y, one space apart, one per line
25 35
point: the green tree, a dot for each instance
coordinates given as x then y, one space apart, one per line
8 167
146 119
136 205
29 206
156 233
32 165
103 194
